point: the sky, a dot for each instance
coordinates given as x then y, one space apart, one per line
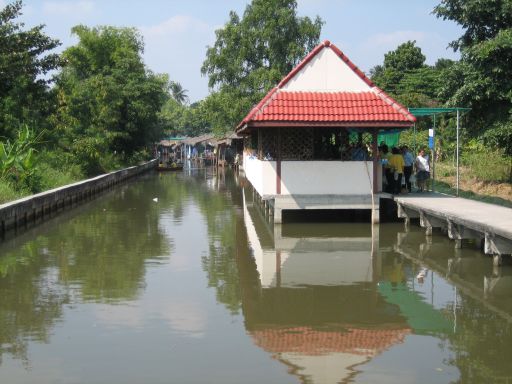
177 32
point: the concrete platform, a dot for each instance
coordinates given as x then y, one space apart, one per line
460 218
299 202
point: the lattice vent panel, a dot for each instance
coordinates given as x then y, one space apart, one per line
269 142
356 145
297 144
327 144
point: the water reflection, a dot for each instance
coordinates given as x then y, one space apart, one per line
313 299
99 255
139 275
480 303
345 303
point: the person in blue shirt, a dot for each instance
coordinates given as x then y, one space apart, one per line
408 164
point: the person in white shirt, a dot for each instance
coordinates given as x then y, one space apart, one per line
422 170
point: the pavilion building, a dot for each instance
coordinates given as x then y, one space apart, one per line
311 142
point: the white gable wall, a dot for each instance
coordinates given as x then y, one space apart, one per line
326 72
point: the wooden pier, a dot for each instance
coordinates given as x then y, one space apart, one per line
461 219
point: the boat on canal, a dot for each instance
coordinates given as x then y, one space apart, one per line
166 167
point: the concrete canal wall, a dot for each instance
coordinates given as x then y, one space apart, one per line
36 207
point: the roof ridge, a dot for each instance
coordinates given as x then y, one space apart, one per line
316 51
393 103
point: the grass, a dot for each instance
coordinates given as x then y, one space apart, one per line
9 193
50 172
444 187
486 180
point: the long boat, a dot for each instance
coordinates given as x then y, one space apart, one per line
169 167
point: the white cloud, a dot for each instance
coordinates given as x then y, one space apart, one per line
183 316
175 25
61 8
186 318
120 316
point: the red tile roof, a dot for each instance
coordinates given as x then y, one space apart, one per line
340 107
373 108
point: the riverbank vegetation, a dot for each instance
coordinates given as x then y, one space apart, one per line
97 107
480 80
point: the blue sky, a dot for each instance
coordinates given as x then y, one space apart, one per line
177 32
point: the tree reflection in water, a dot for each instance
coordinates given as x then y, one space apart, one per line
95 252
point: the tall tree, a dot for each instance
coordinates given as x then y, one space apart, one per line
481 20
108 100
251 54
405 65
178 93
482 79
25 59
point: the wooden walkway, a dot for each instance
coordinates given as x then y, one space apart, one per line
460 218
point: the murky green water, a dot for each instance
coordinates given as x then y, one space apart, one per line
179 278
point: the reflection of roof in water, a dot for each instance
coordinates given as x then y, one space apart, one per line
309 341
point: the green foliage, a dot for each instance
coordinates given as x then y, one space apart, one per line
405 58
178 93
108 101
482 20
487 165
17 159
8 192
251 54
227 108
405 76
24 60
482 80
500 136
57 169
184 120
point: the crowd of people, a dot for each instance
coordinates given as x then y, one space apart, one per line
401 169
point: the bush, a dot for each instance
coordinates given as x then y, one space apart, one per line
9 193
487 165
57 169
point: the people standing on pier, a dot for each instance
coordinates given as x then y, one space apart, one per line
388 176
422 170
396 165
408 164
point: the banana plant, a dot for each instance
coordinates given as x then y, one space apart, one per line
17 157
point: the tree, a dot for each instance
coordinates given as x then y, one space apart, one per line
405 61
482 80
251 54
406 57
108 101
178 93
482 20
187 120
25 60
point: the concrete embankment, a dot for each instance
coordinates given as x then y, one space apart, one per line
36 207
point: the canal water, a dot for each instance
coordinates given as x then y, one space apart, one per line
180 278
